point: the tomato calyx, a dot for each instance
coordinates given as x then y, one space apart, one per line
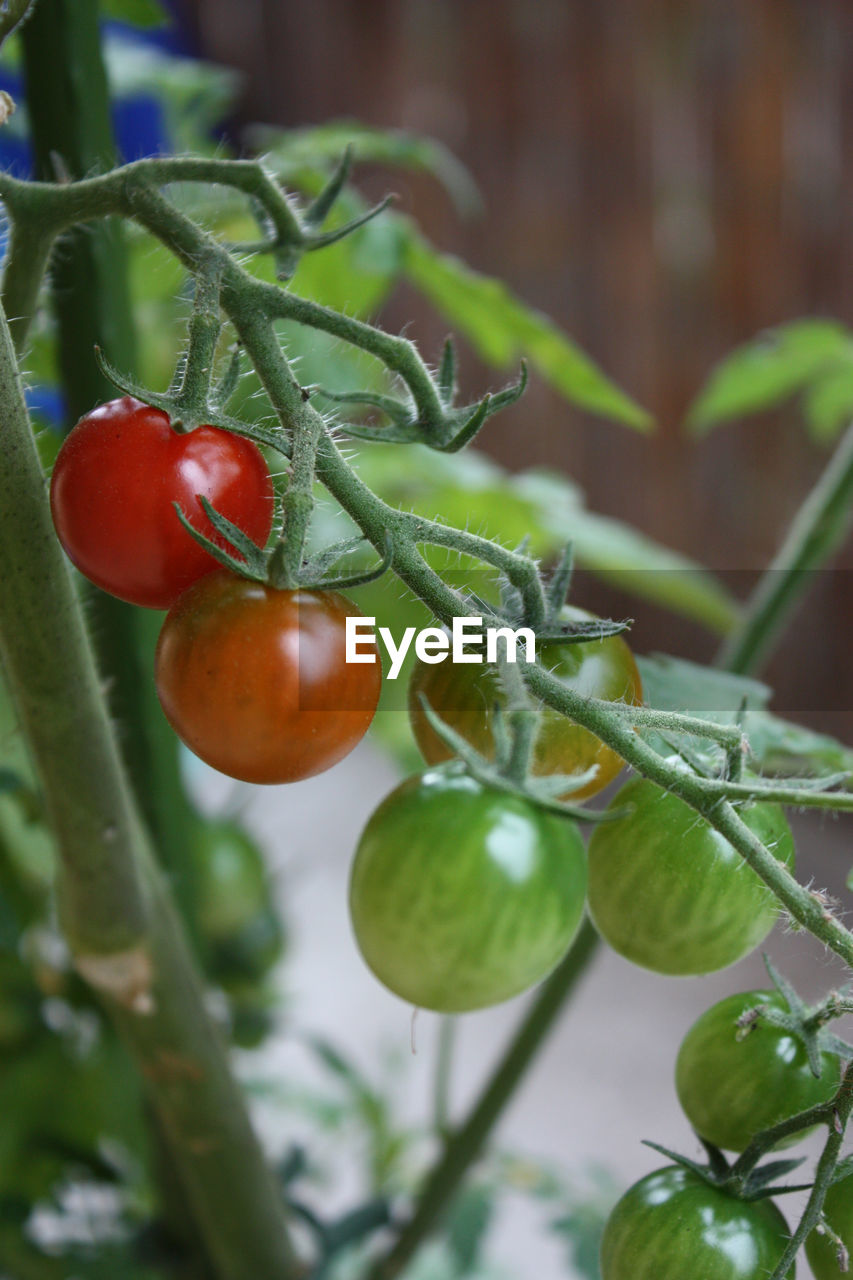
185 416
450 428
500 775
759 1184
269 566
807 1023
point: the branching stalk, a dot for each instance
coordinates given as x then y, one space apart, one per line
41 211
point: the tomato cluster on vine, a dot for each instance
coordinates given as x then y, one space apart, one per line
253 678
464 891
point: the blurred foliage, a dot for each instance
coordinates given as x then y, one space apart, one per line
353 1118
810 359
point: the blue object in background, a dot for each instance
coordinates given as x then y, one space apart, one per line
141 128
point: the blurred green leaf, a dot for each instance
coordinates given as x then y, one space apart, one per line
828 402
784 748
502 329
323 145
779 747
621 554
474 492
373 1107
194 96
145 14
674 684
468 1222
356 274
768 370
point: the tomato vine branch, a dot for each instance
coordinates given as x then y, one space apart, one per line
40 211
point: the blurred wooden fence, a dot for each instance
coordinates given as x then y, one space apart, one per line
663 177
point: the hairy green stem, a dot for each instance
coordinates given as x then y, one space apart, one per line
204 330
819 529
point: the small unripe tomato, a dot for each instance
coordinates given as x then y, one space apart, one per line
462 895
670 893
464 696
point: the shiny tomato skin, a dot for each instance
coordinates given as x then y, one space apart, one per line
820 1250
671 1225
114 481
669 893
464 696
462 895
255 680
731 1088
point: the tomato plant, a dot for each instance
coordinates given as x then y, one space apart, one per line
672 1225
821 1251
668 892
463 895
464 696
254 680
115 480
732 1083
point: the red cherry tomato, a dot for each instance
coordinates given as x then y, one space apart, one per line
114 482
255 681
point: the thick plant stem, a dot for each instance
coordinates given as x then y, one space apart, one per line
820 527
466 1142
118 919
69 104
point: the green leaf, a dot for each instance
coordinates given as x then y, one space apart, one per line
356 274
828 402
673 684
472 491
193 95
582 1220
784 748
778 747
145 14
323 145
502 329
622 555
768 370
468 1223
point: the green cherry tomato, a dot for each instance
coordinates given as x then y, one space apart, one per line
672 1225
464 696
822 1252
669 893
730 1087
230 877
462 895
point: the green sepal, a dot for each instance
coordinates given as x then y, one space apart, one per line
253 567
321 206
332 237
179 419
